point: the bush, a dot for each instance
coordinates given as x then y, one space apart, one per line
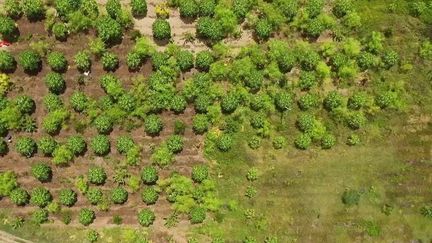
19 197
40 197
13 8
8 28
225 142
161 29
197 215
103 124
41 172
200 123
86 216
153 125
94 195
333 100
283 101
33 9
79 101
92 236
314 8
110 61
200 173
303 141
263 29
97 175
328 141
351 197
134 61
149 175
179 127
55 83
146 217
209 28
62 155
26 146
308 101
178 104
357 101
100 145
188 9
162 156
202 102
30 61
206 7
60 31
307 80
279 142
342 7
139 8
7 62
353 139
4 149
109 30
119 195
25 104
82 61
390 58
367 60
149 195
40 216
8 182
76 144
57 61
254 142
355 120
52 102
113 8
203 60
185 60
67 197
53 121
124 144
229 102
175 143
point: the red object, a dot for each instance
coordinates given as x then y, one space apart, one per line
4 43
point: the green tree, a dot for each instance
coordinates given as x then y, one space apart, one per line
203 60
40 216
94 195
342 7
97 175
175 143
86 216
139 8
185 60
19 197
225 142
109 30
113 8
40 197
104 124
333 100
162 156
199 173
149 175
149 195
197 215
52 102
57 61
82 61
30 61
328 141
13 8
34 10
303 141
42 172
188 8
161 29
60 31
62 155
79 101
200 123
153 125
263 29
119 195
8 29
284 101
25 104
110 61
146 217
209 28
100 145
26 146
55 83
229 102
68 197
134 61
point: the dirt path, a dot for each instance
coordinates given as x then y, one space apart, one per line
8 238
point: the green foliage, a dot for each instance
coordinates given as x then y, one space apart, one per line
351 197
356 120
390 58
30 61
179 127
109 30
149 175
146 217
203 60
52 102
308 101
178 104
229 102
119 195
139 8
4 149
96 175
153 125
103 124
40 197
357 101
57 61
65 7
149 195
124 144
62 155
76 144
53 121
13 8
86 216
188 9
185 60
55 83
134 61
200 123
7 27
307 80
263 29
19 197
426 50
279 142
252 174
79 101
353 139
209 28
386 99
342 7
67 197
60 31
162 156
8 182
110 61
200 173
92 236
303 141
7 62
225 142
113 8
161 29
328 141
314 7
42 172
82 61
100 145
206 7
33 9
175 143
284 101
94 195
25 104
40 216
333 100
254 142
26 146
197 215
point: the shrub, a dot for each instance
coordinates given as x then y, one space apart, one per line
97 175
40 216
179 127
197 215
353 139
328 141
200 173
252 174
307 80
118 220
92 236
390 58
308 101
52 102
127 102
100 145
97 47
333 100
153 125
47 145
113 8
19 197
229 102
8 182
263 29
25 104
82 61
303 141
41 172
26 146
124 144
149 175
76 144
79 101
30 61
52 123
185 60
203 60
188 9
161 29
119 195
254 142
13 8
200 123
67 197
178 104
134 61
60 31
86 216
357 101
4 149
149 196
33 9
225 142
162 156
202 102
109 30
94 195
314 7
175 143
342 7
8 28
55 83
309 60
40 197
283 101
355 120
279 142
65 7
146 217
206 7
110 61
139 8
62 155
7 62
367 60
57 61
103 124
351 197
209 28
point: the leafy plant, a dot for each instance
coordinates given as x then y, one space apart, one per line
97 175
203 60
8 28
40 216
52 102
200 123
199 173
55 83
40 197
26 146
33 10
328 141
110 61
13 8
161 29
7 62
25 104
62 155
254 142
351 197
146 217
175 143
60 31
197 215
30 61
263 29
100 145
94 195
79 101
103 124
8 182
19 197
57 61
333 100
303 141
162 156
153 125
353 139
41 172
82 61
119 195
225 142
149 175
134 61
109 30
92 236
86 216
67 197
149 195
139 8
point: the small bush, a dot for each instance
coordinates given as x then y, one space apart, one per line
67 197
197 215
303 141
134 61
175 143
153 125
356 120
162 156
333 101
97 175
149 195
7 62
92 236
62 155
225 142
199 173
353 139
8 29
254 142
103 124
279 142
200 123
124 144
351 197
252 174
146 217
40 216
13 8
179 127
209 28
119 195
178 104
34 9
263 29
25 104
55 83
328 141
26 146
110 61
57 61
161 29
19 197
79 101
185 60
139 8
109 30
149 175
82 61
203 60
40 197
94 195
52 102
86 216
30 61
60 31
41 172
100 145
